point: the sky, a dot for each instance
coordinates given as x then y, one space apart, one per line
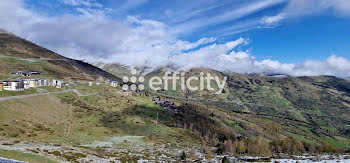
294 37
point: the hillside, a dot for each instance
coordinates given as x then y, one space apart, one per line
255 115
315 107
104 124
17 54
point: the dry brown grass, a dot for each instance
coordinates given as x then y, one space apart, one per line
38 118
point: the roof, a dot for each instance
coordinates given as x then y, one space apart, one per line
12 81
31 79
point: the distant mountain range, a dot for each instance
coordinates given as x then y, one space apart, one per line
17 54
319 103
275 107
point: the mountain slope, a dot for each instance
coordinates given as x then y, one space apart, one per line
17 54
252 118
314 107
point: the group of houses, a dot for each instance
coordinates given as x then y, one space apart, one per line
23 84
166 104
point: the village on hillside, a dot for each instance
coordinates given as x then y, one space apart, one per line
24 84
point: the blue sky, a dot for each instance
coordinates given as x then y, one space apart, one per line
286 36
310 38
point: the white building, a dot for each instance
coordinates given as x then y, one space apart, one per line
13 85
58 83
114 83
31 83
43 82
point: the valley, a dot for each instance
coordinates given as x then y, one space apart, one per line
87 119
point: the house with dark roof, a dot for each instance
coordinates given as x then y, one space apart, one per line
20 73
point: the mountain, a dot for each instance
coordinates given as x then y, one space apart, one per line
117 69
315 106
17 54
255 115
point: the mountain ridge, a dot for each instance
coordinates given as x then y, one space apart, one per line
14 50
310 99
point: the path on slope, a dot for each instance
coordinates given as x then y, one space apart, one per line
45 92
30 95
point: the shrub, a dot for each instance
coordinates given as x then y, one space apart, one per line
225 160
183 155
258 147
13 135
229 146
240 147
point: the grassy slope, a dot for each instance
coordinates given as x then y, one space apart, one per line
67 118
34 118
5 93
106 115
48 70
319 105
24 156
22 55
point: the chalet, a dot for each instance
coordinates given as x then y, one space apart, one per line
47 82
76 83
58 83
43 82
13 85
31 83
20 73
26 85
114 83
0 86
17 73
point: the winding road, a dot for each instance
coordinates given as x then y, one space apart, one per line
30 95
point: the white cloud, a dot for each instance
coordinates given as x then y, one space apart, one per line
231 15
94 37
298 8
86 3
272 20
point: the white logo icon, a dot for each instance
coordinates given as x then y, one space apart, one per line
136 82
